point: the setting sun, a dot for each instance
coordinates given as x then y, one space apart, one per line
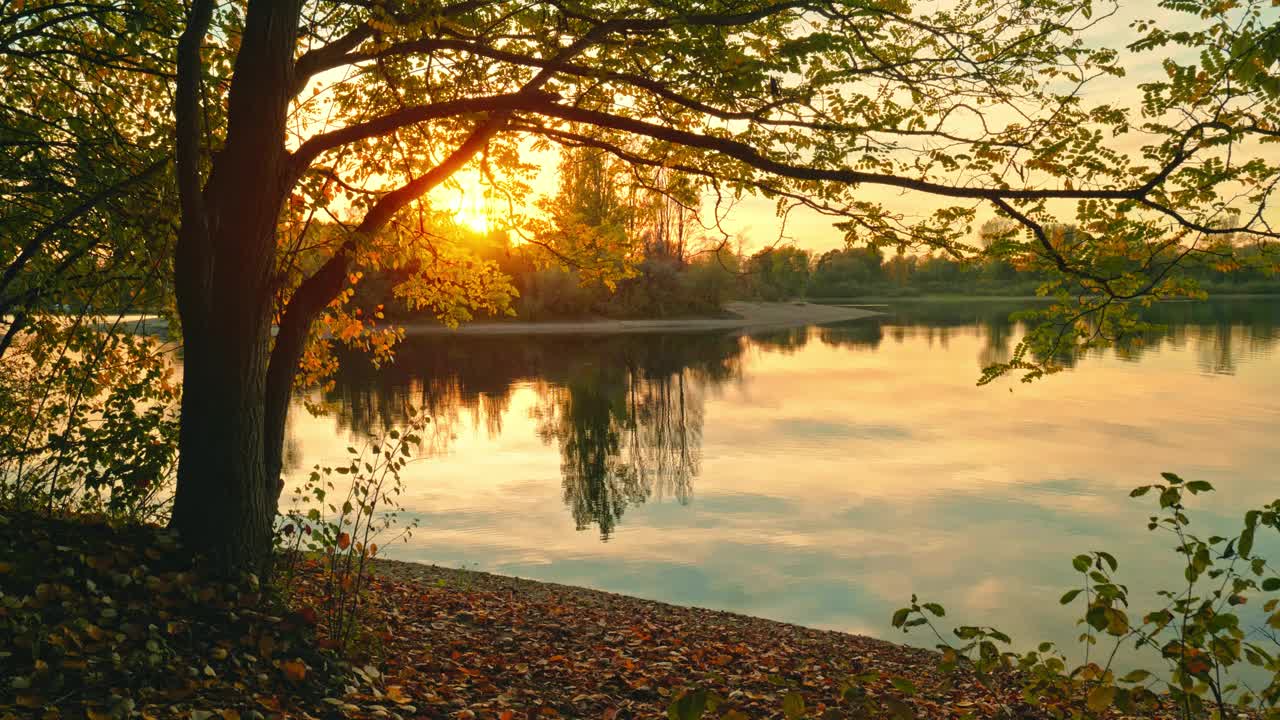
467 203
470 210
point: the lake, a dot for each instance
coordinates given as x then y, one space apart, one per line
821 475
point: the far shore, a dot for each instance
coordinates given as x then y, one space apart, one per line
739 316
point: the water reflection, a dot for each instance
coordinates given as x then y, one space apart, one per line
1221 332
626 413
624 436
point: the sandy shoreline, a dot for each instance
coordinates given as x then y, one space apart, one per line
746 316
743 316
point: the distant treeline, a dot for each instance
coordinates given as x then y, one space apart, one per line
622 243
667 284
864 272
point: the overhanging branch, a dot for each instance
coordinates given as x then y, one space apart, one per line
302 158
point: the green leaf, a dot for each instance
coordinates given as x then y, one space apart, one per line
900 616
1271 584
1171 477
689 706
936 609
1109 559
793 706
1199 486
1140 491
1136 676
904 686
1097 617
898 710
1246 542
1069 596
1081 563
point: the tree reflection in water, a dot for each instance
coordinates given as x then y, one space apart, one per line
626 411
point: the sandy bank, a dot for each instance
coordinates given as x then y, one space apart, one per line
744 316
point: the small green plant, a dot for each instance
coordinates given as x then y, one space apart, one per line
1197 632
341 538
88 422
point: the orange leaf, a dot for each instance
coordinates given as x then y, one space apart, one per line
344 541
395 693
294 670
506 715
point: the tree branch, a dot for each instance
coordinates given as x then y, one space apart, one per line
328 56
753 158
318 290
313 147
40 238
186 110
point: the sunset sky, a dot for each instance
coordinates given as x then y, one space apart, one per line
756 221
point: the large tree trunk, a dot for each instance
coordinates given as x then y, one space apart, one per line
236 386
226 495
225 502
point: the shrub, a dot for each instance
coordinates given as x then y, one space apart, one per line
343 538
1197 631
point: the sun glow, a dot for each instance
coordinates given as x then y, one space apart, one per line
471 210
469 206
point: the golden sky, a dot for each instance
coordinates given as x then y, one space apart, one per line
757 222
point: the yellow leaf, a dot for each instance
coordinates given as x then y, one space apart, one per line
1100 698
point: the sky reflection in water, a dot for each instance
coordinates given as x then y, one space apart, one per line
821 476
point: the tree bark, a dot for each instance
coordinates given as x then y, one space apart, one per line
224 505
225 501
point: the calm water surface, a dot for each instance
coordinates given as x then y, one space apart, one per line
820 476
